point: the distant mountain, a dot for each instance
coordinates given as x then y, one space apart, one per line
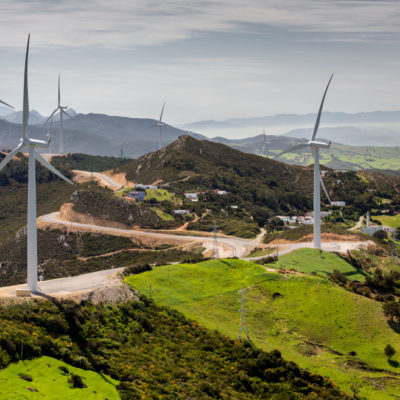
97 134
16 117
353 136
329 118
4 111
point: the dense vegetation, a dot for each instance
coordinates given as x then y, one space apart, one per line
63 254
102 203
153 351
86 162
16 171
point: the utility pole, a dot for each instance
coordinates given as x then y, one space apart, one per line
243 312
215 252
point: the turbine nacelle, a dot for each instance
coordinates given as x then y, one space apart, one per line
43 144
314 143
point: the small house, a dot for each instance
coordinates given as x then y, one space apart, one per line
192 196
181 212
338 203
144 187
138 196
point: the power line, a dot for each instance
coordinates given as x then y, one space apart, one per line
243 312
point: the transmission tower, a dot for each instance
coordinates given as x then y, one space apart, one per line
243 312
215 252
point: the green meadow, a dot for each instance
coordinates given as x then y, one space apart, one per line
312 321
52 383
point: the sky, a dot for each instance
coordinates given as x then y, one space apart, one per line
208 60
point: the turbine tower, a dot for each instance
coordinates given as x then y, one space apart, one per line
265 145
160 124
31 145
315 146
62 111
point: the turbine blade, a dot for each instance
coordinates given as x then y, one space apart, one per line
3 102
59 92
25 113
66 114
326 192
162 112
10 155
50 167
320 110
51 116
294 148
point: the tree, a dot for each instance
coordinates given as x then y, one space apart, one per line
391 309
389 351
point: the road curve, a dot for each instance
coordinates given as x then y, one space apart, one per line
228 247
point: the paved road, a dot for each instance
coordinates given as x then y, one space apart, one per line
67 286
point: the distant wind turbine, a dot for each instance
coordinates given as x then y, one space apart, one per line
265 145
62 111
160 124
315 146
31 145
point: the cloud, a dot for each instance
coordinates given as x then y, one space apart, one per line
131 23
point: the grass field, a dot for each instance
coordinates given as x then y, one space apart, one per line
51 383
362 157
389 220
160 195
309 319
163 215
323 263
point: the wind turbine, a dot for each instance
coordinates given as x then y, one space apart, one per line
265 145
62 112
31 145
315 146
160 124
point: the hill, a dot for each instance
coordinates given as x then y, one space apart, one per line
153 351
261 186
309 319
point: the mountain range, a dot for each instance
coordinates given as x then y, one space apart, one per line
100 134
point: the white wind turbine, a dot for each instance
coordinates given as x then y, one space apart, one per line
62 111
160 124
265 145
31 145
315 146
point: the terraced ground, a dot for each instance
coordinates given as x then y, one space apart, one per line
51 383
313 322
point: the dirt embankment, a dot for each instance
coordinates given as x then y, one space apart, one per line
119 178
325 237
67 213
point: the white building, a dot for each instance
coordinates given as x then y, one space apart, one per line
192 196
338 203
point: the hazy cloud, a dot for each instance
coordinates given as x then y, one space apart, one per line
129 23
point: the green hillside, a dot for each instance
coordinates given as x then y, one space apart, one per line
313 261
313 322
153 351
50 382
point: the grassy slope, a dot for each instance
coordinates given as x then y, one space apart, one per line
322 263
51 383
315 323
389 220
